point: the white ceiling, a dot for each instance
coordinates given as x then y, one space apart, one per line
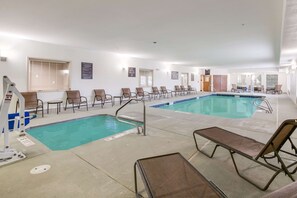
289 38
232 33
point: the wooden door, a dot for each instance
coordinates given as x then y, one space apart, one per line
206 83
219 83
224 82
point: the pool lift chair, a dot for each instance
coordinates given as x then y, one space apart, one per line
7 154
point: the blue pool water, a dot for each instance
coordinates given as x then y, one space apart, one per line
216 105
69 134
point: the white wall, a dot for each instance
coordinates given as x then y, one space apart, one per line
292 86
108 70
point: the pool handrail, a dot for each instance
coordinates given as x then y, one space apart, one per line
267 108
144 115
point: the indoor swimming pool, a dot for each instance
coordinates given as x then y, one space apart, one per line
228 106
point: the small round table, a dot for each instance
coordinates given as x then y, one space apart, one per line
56 102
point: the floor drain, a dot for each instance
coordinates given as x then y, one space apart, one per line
40 169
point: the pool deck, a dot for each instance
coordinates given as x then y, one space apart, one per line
105 168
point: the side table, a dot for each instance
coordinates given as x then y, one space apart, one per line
117 97
56 102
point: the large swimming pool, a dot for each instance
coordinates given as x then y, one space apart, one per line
228 106
69 134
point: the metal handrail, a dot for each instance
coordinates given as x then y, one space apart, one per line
267 108
144 115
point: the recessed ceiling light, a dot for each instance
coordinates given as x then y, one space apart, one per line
155 42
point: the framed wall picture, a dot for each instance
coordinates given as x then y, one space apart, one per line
86 70
207 72
174 75
131 72
192 77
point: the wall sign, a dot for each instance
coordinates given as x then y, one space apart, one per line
86 70
174 75
131 72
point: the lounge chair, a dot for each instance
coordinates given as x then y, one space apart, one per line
286 191
234 88
142 94
258 152
191 89
75 99
184 90
155 92
165 91
127 94
178 90
101 96
278 89
172 175
32 102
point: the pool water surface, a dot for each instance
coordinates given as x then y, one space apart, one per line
216 105
69 134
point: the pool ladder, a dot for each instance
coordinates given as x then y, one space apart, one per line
139 128
267 108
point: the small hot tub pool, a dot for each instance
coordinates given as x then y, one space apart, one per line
73 133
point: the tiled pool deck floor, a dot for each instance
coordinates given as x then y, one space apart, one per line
105 168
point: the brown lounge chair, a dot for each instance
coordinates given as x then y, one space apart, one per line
156 92
289 191
173 176
127 94
278 89
184 90
32 102
142 94
101 96
165 91
75 99
263 154
234 88
191 89
178 90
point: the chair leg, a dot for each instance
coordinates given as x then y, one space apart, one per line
213 152
73 107
258 162
65 106
93 102
135 181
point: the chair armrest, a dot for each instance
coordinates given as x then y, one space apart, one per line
108 95
84 98
38 100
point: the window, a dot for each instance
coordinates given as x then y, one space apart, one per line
257 80
242 79
48 75
146 78
271 80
